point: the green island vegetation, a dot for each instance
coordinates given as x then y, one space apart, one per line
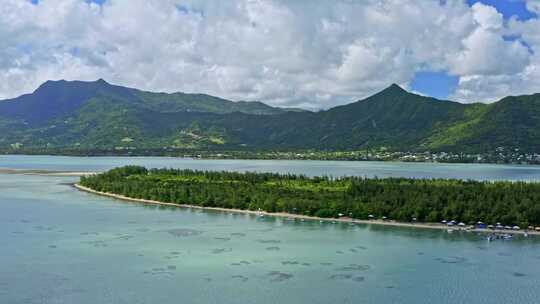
400 199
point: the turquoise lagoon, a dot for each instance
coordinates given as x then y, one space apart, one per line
59 245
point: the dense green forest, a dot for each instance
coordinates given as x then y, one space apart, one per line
85 117
401 199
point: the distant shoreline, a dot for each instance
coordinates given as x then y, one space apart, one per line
44 172
288 155
302 217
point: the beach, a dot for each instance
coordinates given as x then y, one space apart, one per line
45 172
306 217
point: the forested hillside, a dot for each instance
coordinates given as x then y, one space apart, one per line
86 116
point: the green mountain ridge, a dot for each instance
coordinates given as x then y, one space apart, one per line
98 115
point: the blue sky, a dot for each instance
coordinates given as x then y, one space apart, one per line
440 84
508 8
435 84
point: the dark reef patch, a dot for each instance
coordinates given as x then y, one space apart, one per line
354 267
238 234
221 250
340 276
158 271
269 241
222 238
184 232
278 276
347 276
452 260
240 278
125 237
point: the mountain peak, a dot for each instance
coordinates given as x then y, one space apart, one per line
390 92
101 81
49 84
395 88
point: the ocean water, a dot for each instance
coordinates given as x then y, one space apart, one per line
311 168
60 245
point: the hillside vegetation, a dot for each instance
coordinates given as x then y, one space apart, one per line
86 116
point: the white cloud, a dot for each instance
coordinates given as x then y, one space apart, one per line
487 16
533 6
487 53
315 54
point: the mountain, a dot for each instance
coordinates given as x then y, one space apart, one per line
55 99
513 122
97 115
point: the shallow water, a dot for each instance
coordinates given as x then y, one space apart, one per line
59 245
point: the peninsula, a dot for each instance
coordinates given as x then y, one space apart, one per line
397 201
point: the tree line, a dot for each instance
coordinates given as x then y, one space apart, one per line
401 199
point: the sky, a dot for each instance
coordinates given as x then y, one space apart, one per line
311 54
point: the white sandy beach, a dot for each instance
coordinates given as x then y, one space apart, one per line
305 217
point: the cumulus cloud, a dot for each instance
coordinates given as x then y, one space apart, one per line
487 53
534 6
512 65
314 54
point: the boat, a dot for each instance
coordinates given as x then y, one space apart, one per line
507 236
